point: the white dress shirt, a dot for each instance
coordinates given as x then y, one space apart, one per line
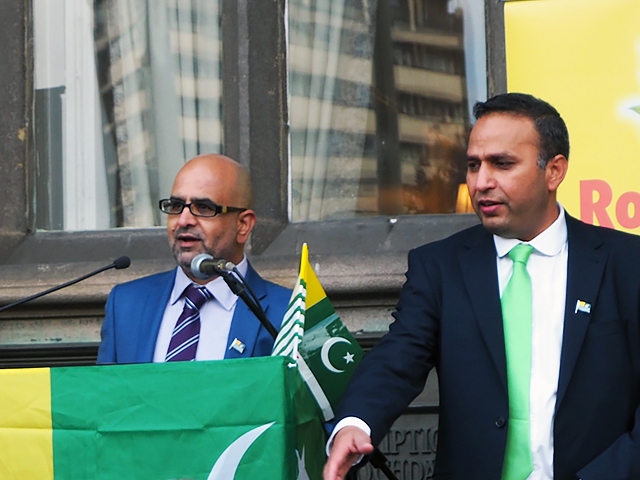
547 267
215 317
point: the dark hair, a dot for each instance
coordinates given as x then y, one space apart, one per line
554 137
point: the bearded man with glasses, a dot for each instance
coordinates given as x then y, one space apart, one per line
209 211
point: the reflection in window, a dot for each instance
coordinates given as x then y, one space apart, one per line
380 99
126 91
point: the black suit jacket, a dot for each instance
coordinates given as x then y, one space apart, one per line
449 317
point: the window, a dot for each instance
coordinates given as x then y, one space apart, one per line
395 105
380 105
125 92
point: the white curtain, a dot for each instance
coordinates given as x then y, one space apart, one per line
332 124
159 79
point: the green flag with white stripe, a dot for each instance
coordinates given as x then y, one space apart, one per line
313 334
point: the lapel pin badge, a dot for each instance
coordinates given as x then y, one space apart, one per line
582 306
237 345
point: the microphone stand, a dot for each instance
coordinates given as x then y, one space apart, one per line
238 287
379 461
122 262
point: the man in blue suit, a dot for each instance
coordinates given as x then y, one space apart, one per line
582 383
209 211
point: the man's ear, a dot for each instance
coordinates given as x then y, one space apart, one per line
555 171
245 223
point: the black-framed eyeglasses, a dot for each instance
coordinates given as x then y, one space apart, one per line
199 208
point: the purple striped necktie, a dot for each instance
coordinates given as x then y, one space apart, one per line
186 333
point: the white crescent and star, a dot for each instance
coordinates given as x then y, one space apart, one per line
324 353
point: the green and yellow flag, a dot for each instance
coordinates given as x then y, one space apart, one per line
313 334
218 420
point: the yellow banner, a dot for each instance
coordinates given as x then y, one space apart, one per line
583 57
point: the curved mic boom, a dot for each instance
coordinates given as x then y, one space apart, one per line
119 263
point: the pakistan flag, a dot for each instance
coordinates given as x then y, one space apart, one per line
218 420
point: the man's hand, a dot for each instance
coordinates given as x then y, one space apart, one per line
348 444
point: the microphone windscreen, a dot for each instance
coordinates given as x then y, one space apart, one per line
122 262
196 266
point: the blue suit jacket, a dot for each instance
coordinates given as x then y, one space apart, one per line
449 317
134 312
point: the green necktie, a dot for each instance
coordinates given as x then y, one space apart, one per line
516 318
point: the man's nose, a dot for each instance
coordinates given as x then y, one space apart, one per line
485 179
186 217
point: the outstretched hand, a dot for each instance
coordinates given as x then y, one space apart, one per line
348 444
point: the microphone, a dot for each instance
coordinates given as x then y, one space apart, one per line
118 264
204 266
121 262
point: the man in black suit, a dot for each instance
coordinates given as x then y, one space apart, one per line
583 384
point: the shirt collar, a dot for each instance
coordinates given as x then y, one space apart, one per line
549 243
218 288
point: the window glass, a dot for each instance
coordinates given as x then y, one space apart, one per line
380 94
126 91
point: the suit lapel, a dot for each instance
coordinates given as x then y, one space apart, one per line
245 327
150 309
585 269
477 260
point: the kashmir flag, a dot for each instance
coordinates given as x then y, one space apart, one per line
216 420
313 334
